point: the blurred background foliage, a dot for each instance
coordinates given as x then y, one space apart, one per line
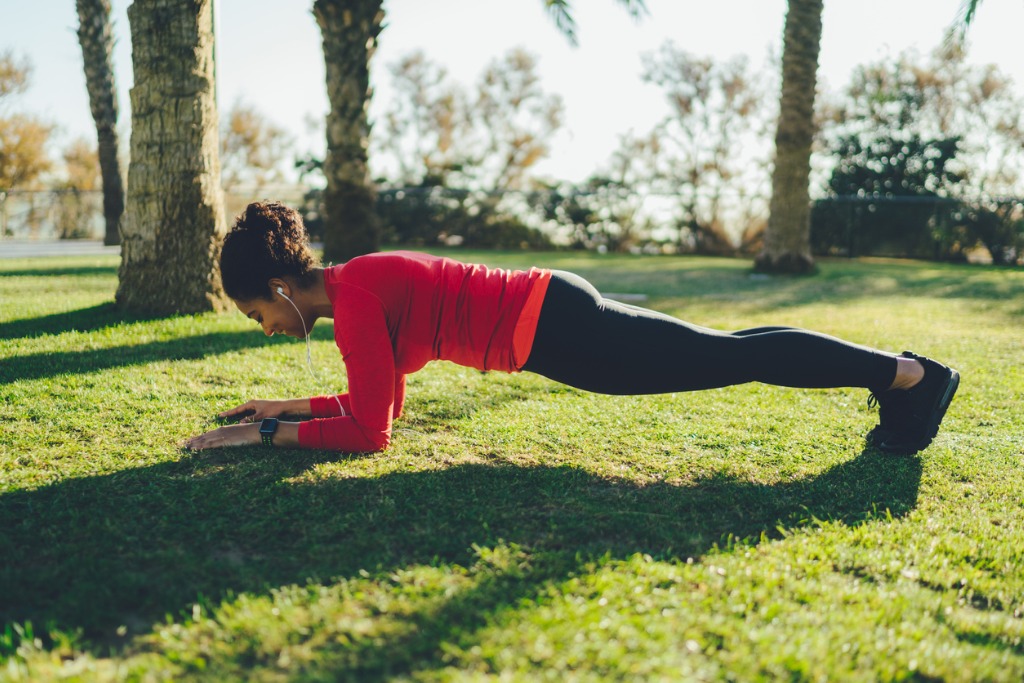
918 156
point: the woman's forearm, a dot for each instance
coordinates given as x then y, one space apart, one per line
287 435
299 407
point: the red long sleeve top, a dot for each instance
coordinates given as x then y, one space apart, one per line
393 313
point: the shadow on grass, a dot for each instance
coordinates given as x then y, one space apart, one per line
839 281
39 365
128 548
89 319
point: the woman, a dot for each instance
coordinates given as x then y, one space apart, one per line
394 312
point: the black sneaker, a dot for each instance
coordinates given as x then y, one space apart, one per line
924 407
893 410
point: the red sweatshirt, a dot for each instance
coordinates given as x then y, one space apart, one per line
394 312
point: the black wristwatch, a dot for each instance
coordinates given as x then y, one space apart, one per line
267 428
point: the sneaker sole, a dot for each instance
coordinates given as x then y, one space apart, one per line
952 384
877 436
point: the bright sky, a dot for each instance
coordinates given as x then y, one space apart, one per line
269 55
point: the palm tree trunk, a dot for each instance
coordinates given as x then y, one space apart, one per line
349 30
96 36
174 221
787 240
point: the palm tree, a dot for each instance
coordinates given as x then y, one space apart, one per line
349 30
174 220
787 240
562 14
964 18
96 36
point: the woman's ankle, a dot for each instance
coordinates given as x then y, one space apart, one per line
908 373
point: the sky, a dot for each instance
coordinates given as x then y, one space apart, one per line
269 55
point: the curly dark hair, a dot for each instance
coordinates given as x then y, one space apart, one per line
267 240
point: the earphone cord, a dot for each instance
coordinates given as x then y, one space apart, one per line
309 357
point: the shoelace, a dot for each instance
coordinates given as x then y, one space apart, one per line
893 409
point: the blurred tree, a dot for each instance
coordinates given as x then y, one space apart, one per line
891 186
23 156
174 221
514 121
979 104
14 74
251 149
452 155
940 97
425 129
96 37
81 167
603 196
617 194
709 151
895 163
23 138
999 225
487 141
607 212
935 127
787 246
349 30
568 214
81 175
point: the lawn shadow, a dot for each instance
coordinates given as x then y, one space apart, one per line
50 364
128 548
91 319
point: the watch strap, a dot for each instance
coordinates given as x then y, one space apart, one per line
267 428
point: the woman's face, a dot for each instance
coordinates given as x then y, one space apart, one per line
275 317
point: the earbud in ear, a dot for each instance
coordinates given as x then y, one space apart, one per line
280 290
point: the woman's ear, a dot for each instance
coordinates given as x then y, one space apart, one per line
278 286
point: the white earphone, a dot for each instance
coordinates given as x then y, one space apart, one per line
309 357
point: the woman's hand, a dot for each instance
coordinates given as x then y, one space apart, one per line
229 435
256 410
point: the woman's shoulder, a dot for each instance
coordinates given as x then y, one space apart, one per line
383 264
382 275
398 256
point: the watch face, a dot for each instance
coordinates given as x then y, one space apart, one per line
268 425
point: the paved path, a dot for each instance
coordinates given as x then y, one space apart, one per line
12 248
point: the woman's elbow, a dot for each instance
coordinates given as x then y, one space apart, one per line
375 441
380 441
369 444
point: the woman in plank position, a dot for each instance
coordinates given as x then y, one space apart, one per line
395 312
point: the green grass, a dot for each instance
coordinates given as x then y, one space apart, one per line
516 529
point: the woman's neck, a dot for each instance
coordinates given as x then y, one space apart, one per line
317 301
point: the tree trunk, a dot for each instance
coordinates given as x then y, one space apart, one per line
96 36
787 240
174 222
349 30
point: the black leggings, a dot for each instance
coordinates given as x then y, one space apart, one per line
600 345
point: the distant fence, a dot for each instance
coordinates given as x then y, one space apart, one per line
51 214
924 227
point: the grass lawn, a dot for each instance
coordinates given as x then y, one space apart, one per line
516 529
